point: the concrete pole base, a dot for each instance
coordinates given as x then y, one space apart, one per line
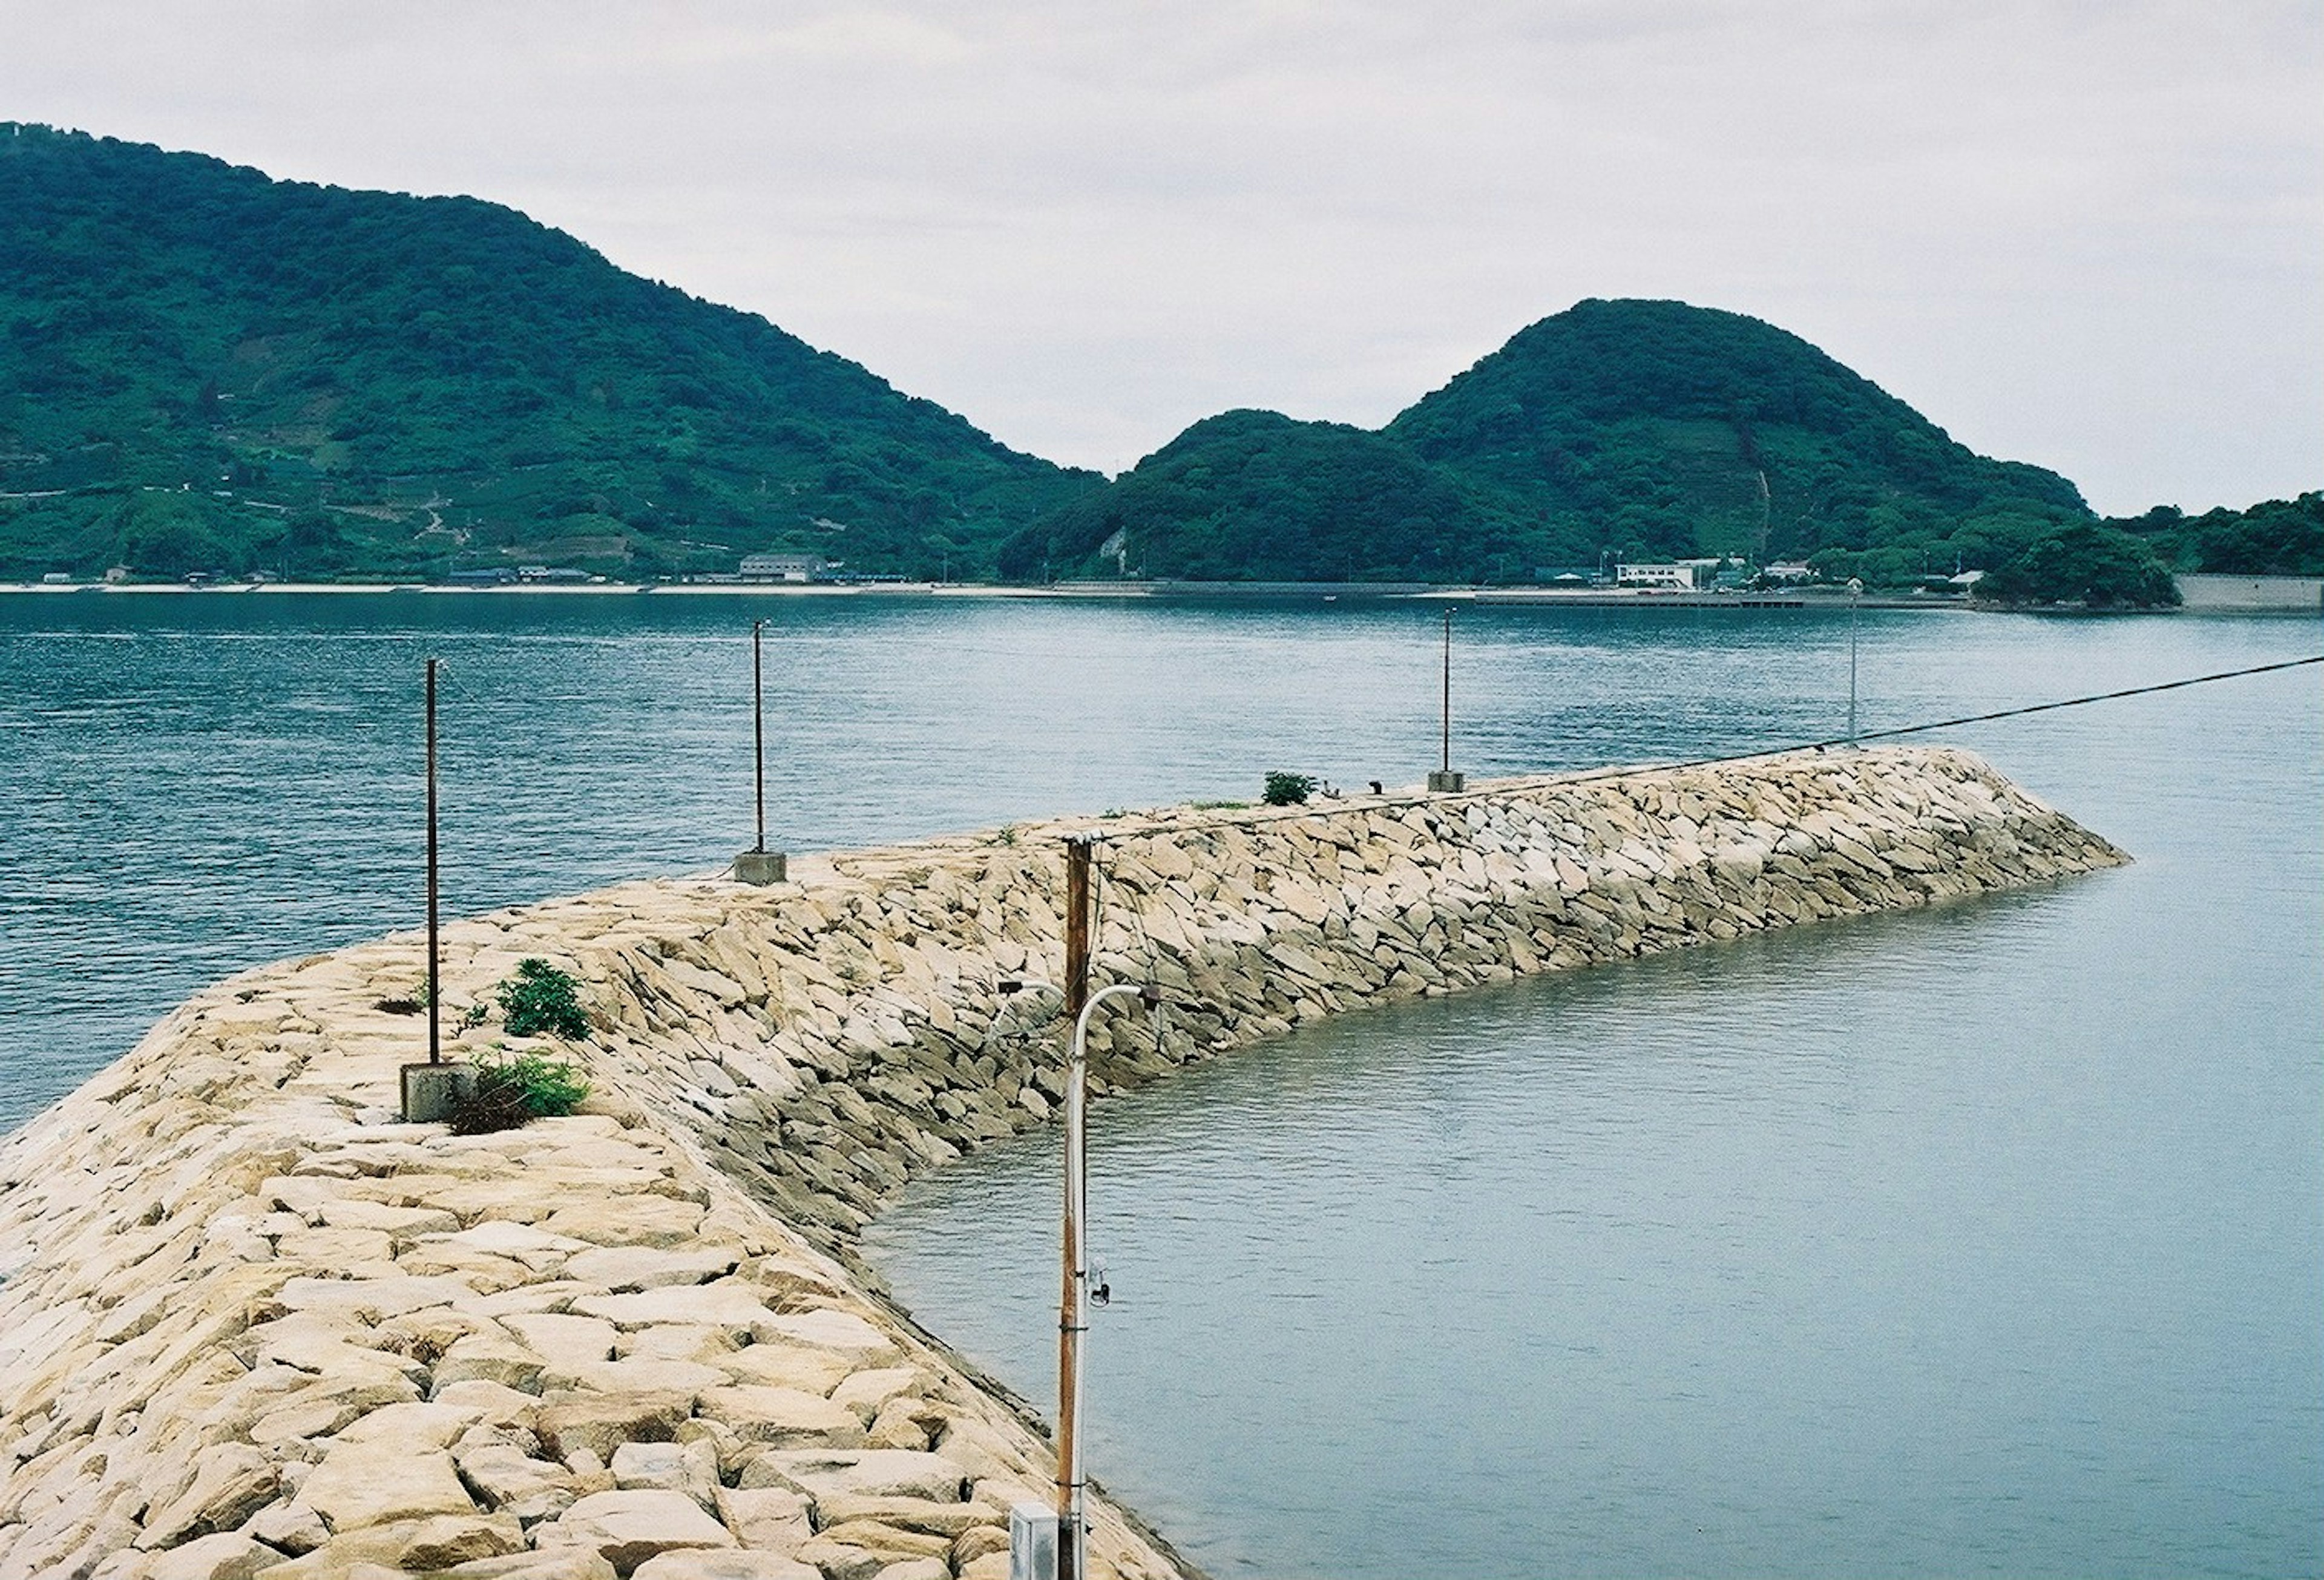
760 867
431 1091
1447 780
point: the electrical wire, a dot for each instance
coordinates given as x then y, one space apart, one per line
1592 775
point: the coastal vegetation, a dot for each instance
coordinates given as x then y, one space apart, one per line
2276 538
208 373
539 999
205 371
1613 431
514 1090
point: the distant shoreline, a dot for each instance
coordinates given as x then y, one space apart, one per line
1326 592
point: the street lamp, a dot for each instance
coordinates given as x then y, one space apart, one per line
1074 1295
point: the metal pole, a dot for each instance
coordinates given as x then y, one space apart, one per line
1073 1311
1855 590
435 985
1072 1316
1447 764
759 730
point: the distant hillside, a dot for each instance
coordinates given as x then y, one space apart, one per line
2281 537
204 369
1255 496
1641 429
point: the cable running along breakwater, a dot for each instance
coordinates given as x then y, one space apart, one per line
1593 775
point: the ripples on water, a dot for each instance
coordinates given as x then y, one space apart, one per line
1979 1240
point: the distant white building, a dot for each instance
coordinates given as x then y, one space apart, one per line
782 567
1788 571
1667 578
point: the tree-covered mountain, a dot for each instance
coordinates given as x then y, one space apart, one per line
1257 496
2279 538
205 369
1645 429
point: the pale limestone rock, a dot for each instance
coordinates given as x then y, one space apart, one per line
902 1423
711 1564
448 1539
536 1248
869 1472
727 1304
979 1541
372 1299
506 1480
677 1341
626 1220
489 1403
842 1332
415 1427
864 1393
947 1520
565 1564
771 1517
373 1482
561 1339
601 1422
224 1556
927 1569
483 1356
626 1528
786 1417
780 1365
288 1526
691 1468
633 1374
231 1483
630 1268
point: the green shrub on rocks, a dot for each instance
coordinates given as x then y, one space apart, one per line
510 1092
1288 789
541 998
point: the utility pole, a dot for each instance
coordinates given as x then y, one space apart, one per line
1445 778
435 982
758 730
432 1089
1072 1315
1446 765
1854 592
758 864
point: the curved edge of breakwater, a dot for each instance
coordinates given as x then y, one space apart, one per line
250 1324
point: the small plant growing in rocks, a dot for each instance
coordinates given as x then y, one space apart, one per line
541 998
510 1092
1288 789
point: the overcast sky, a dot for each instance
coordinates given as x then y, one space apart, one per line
2087 233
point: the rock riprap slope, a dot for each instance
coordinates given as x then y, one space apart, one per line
250 1323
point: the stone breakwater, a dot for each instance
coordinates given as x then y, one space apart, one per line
250 1324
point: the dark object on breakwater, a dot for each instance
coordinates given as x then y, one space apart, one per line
759 865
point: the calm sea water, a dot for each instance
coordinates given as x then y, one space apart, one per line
1989 1240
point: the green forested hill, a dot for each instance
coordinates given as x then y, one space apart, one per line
1257 496
204 369
1687 430
1648 429
2281 537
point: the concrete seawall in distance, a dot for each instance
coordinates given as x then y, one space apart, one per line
250 1324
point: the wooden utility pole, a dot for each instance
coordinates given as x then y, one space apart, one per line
1072 1319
